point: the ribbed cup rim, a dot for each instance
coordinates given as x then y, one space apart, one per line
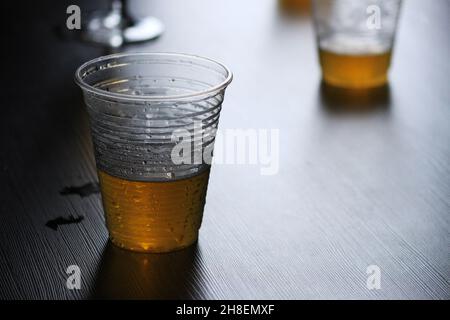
222 85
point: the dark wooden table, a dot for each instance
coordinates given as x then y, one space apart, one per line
363 179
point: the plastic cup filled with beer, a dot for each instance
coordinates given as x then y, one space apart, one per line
355 40
153 191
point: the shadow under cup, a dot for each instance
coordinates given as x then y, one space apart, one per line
153 197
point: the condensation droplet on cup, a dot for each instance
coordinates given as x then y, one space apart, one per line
170 175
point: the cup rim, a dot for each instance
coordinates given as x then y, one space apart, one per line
87 87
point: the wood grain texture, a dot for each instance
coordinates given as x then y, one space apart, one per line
363 179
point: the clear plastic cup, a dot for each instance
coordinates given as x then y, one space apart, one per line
136 103
355 40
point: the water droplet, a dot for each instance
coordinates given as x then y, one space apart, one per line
170 175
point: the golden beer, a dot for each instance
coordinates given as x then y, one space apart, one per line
299 6
153 216
355 70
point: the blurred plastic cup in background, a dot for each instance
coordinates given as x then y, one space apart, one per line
355 40
136 102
